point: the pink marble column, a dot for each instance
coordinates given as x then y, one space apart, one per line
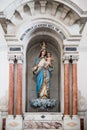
74 88
11 88
66 88
19 88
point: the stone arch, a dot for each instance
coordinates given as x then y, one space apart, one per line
27 29
64 12
59 35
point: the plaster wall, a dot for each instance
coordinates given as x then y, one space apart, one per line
82 64
4 74
82 73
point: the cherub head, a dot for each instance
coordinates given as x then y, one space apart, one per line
49 54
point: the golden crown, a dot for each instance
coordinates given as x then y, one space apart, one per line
43 46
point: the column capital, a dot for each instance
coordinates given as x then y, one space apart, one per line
66 59
19 59
75 59
11 58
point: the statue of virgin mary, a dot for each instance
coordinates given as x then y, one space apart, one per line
42 73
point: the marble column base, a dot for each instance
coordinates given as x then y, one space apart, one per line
71 123
0 121
14 123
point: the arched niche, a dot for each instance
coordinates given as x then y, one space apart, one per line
54 45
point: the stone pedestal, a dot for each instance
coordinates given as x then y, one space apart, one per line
0 121
14 123
43 121
71 123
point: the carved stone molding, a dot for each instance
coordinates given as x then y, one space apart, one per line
73 58
31 6
17 3
54 8
15 49
18 58
43 5
82 103
4 103
16 15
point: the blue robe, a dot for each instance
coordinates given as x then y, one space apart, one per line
40 76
